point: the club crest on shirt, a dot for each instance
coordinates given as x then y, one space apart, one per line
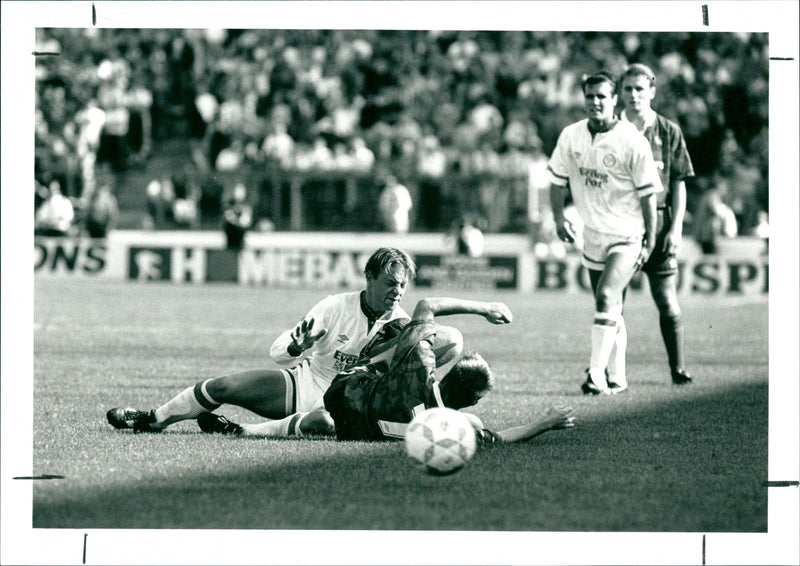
343 338
609 160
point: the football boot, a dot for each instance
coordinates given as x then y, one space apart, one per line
589 387
123 418
615 388
681 377
146 422
213 423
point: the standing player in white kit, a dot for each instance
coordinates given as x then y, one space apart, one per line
607 167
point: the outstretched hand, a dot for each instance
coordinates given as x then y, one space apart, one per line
303 337
498 313
560 417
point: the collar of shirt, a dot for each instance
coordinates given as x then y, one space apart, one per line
371 315
594 132
649 118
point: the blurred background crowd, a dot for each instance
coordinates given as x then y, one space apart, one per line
369 130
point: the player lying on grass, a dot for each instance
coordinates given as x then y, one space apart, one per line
340 332
377 401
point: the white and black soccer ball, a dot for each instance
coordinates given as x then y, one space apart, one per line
440 441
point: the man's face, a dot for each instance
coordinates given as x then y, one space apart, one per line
600 102
385 291
637 93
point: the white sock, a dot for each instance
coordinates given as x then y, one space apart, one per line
185 405
287 426
616 363
604 333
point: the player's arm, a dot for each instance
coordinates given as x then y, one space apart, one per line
680 170
647 182
674 237
557 170
564 228
650 214
293 343
427 309
555 419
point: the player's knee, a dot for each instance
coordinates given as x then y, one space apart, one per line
448 345
218 388
606 299
318 421
669 310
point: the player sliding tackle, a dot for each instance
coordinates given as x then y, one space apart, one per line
340 332
377 401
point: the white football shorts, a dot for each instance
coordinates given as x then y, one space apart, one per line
303 391
597 246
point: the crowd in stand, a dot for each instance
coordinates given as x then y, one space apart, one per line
415 105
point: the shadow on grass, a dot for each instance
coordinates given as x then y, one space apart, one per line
694 464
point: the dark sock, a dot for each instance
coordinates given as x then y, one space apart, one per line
672 332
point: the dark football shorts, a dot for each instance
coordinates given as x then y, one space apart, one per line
662 262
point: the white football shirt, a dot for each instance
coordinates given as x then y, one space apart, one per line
340 348
607 175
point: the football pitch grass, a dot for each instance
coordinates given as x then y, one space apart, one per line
657 458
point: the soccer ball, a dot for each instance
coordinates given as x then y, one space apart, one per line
440 441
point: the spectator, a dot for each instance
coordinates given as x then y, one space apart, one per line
112 98
185 206
102 213
395 206
713 219
469 236
55 215
471 87
363 158
279 147
237 218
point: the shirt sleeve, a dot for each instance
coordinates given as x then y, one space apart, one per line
322 314
681 167
643 168
414 352
557 168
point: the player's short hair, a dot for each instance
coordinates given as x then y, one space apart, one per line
599 77
386 260
469 380
640 70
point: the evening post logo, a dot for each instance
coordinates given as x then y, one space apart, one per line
593 177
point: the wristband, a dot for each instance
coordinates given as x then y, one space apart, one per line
294 350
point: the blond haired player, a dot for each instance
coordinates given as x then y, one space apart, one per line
340 332
608 168
638 88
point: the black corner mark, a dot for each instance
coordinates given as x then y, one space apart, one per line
94 15
40 477
705 14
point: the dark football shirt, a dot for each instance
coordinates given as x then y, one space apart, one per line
670 154
367 403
